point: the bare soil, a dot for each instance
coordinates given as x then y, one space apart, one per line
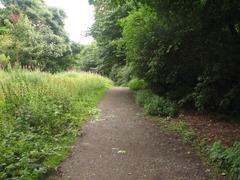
124 144
214 129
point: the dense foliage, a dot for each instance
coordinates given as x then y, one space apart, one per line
155 105
187 51
40 114
32 35
137 84
107 33
87 58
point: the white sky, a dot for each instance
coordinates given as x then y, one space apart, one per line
1 5
80 17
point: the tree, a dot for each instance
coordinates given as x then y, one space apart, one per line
187 51
88 57
107 31
33 35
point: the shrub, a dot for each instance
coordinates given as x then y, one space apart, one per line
155 105
143 97
161 106
137 84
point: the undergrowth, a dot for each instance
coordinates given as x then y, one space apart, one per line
225 159
155 105
40 116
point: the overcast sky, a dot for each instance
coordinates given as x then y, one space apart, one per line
80 17
1 6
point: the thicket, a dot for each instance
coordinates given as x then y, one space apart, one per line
187 51
40 115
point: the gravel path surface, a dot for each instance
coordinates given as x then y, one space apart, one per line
123 144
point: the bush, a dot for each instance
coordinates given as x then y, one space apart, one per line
137 84
40 115
155 105
143 97
161 106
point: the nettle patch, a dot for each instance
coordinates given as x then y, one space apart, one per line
40 116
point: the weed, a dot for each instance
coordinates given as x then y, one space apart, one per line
40 117
185 131
226 159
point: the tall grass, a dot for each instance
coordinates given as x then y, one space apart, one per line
40 114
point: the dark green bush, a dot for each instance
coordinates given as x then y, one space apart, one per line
155 105
227 159
161 106
137 84
143 97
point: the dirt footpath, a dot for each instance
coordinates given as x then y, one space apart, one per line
123 144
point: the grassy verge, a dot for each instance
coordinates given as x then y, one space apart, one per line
226 160
40 116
